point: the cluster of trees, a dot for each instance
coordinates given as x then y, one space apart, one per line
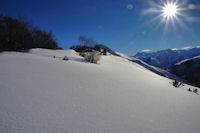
89 45
18 35
89 49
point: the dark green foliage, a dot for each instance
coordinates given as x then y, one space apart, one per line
18 35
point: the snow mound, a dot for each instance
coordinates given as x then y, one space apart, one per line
43 94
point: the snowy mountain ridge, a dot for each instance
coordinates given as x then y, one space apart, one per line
39 92
193 58
167 58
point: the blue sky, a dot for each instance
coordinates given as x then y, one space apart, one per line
123 25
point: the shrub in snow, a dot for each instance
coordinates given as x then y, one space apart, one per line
177 84
65 58
92 57
195 90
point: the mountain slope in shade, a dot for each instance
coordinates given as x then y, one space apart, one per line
167 58
43 94
188 70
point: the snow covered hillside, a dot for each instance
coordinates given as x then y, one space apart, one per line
43 94
154 69
167 58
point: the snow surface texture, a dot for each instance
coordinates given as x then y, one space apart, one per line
167 58
43 94
154 69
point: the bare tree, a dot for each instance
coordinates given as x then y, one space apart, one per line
86 41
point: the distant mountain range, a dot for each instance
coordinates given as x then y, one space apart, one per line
167 58
183 63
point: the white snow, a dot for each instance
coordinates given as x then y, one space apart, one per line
174 49
186 48
43 94
146 50
197 58
169 57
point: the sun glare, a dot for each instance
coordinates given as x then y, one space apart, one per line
169 13
170 10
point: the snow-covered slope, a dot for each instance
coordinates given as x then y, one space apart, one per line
43 94
154 69
167 58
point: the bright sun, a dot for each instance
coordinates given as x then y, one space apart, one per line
168 13
169 10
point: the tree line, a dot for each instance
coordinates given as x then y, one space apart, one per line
87 44
17 35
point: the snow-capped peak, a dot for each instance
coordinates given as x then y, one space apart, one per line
169 57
